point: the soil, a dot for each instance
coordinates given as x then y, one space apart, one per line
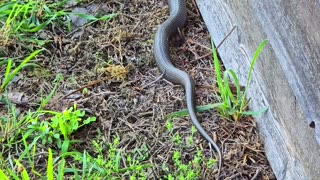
133 106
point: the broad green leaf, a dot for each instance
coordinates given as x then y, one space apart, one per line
89 120
65 146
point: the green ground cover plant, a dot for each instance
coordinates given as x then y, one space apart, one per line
21 20
181 169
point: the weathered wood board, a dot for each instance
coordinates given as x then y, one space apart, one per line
286 76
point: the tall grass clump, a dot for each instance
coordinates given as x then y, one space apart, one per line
19 20
230 105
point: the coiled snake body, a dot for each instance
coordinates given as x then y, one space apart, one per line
177 19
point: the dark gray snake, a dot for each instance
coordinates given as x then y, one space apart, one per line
177 19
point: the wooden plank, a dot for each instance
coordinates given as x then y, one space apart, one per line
286 76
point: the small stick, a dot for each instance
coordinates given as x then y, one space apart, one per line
92 83
226 37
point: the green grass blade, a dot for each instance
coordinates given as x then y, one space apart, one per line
106 17
254 113
8 69
13 175
31 65
255 57
27 150
47 9
184 112
217 67
45 101
117 161
75 172
3 62
50 166
63 129
87 17
39 27
3 176
6 9
228 98
24 173
61 168
236 83
15 71
29 156
9 19
84 164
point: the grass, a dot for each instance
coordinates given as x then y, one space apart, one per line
230 105
9 75
21 20
46 136
234 105
49 134
185 169
22 139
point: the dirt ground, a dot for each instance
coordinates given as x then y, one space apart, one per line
134 108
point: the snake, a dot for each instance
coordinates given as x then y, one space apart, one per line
176 21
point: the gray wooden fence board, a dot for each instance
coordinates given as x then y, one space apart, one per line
279 74
296 42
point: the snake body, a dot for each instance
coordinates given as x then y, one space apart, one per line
176 20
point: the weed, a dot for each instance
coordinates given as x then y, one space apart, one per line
229 104
169 125
111 165
64 124
20 18
94 18
177 139
8 76
186 171
179 168
36 130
